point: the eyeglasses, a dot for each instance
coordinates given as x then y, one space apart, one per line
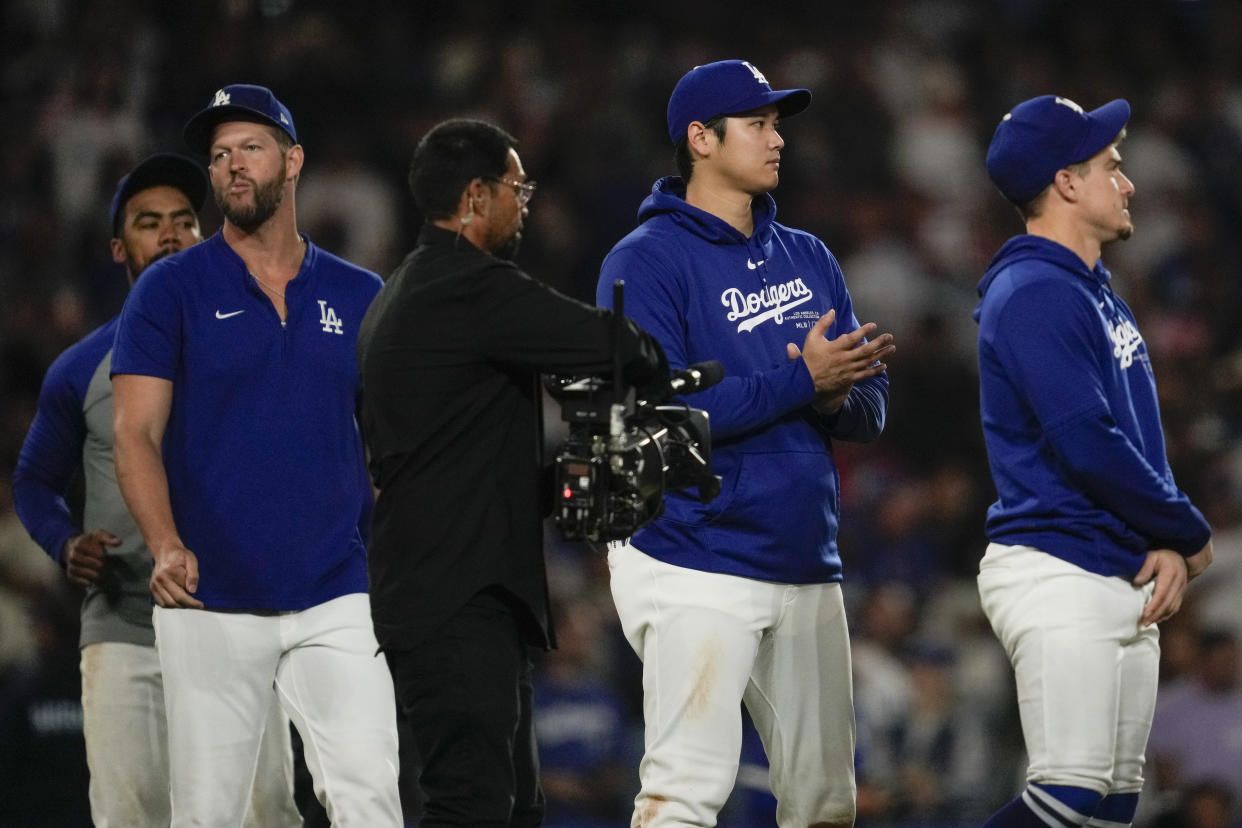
522 189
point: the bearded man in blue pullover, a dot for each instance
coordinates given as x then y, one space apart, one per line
739 599
1092 542
238 454
154 216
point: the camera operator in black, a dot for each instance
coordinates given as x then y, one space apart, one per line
450 354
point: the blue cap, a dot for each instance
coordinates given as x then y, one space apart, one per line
239 102
161 169
726 87
1046 134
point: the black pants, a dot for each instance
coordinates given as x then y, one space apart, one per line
467 693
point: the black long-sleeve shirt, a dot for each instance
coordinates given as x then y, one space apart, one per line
450 355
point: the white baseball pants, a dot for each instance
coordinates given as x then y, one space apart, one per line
709 641
219 670
127 745
1086 672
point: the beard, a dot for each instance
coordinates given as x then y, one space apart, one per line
507 249
503 242
136 259
135 266
267 199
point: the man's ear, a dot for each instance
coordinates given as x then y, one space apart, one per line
472 201
293 161
698 139
474 197
118 252
1066 185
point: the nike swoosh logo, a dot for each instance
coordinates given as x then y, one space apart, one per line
752 265
227 315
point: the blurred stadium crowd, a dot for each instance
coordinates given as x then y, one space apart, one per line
886 166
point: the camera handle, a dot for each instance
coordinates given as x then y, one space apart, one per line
618 323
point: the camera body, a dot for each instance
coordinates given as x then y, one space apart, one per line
622 455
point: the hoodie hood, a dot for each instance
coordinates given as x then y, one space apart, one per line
668 196
705 291
1022 248
1071 417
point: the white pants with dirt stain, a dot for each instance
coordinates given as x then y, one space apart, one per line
127 745
709 642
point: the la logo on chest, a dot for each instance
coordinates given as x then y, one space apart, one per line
328 319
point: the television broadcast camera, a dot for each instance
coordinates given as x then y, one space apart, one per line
623 454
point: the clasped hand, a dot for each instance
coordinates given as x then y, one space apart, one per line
175 577
84 555
836 364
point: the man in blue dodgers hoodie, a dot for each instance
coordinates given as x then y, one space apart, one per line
739 599
238 454
1092 543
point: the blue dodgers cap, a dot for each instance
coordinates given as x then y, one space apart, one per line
726 87
1046 134
239 102
161 169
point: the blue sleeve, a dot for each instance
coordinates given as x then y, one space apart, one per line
50 455
1053 361
861 419
736 404
148 336
862 416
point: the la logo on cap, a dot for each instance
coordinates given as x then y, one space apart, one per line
1071 105
758 75
221 98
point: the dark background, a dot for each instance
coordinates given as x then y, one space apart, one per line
886 167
